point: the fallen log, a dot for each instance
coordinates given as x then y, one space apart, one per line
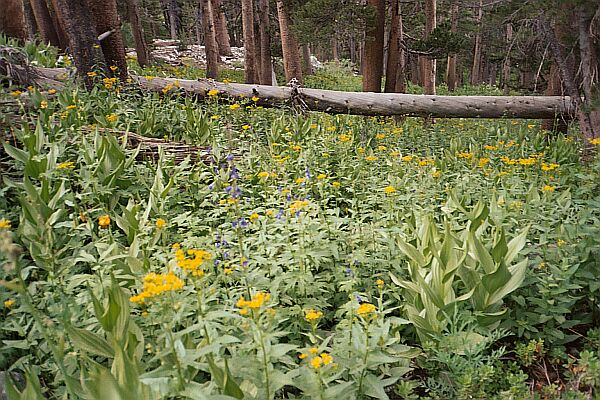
358 103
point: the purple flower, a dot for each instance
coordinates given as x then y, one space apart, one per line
245 263
225 254
349 271
307 171
358 298
217 262
234 173
234 223
229 157
279 214
297 213
243 223
211 186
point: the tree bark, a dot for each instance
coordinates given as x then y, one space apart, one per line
106 18
29 16
476 69
336 102
221 33
250 68
373 59
451 67
394 48
266 65
558 124
75 16
141 48
12 19
306 63
56 20
210 40
506 65
173 17
44 22
428 65
291 56
589 66
566 75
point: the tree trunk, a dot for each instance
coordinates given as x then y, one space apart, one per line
415 73
476 69
12 19
451 68
75 19
172 13
567 77
289 45
394 48
428 65
29 16
250 70
44 22
373 59
264 31
210 40
306 63
589 67
558 124
56 20
492 74
137 29
336 102
506 65
107 20
334 49
221 33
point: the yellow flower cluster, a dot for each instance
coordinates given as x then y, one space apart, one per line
66 165
9 303
109 83
371 158
365 309
104 221
160 223
312 315
212 92
549 167
256 302
298 205
5 223
595 142
155 284
111 118
389 189
380 283
344 137
466 155
192 265
317 361
548 188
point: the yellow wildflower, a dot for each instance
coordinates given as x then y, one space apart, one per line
71 107
156 284
316 362
298 205
255 99
296 148
234 106
245 127
407 158
321 176
192 264
380 283
16 93
436 174
312 315
313 126
113 68
365 309
371 158
483 161
389 189
111 118
380 136
560 243
253 217
344 138
104 221
150 77
263 175
549 167
302 356
492 148
5 223
91 74
213 92
256 302
313 350
160 223
300 180
65 165
466 155
44 104
9 303
595 142
327 358
548 188
335 184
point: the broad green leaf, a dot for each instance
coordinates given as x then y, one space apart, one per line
90 342
515 246
374 387
482 254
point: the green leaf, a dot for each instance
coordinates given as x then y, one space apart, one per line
410 251
494 281
90 342
17 154
374 387
518 274
341 390
482 254
515 246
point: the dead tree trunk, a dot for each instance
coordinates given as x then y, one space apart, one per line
221 33
141 48
360 103
373 59
210 41
306 63
44 22
107 22
289 45
29 16
451 67
589 66
476 69
558 124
